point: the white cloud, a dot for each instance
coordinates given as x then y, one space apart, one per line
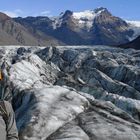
15 13
10 14
46 13
19 12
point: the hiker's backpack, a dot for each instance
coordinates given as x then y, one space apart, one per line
3 112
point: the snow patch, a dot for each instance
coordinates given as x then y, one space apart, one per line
85 19
88 15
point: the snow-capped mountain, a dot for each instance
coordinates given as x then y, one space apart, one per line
73 92
89 27
84 19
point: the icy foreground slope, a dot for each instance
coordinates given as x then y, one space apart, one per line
74 93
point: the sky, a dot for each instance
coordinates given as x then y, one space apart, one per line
126 9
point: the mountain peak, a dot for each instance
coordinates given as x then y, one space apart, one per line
67 13
100 9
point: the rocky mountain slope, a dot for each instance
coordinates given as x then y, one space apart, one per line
98 27
73 93
13 33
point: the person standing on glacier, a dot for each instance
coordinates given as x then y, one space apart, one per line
8 129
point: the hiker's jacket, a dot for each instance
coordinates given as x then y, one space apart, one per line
8 130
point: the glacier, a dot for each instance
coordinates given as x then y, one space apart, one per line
73 92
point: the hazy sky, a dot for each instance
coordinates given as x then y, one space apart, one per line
127 9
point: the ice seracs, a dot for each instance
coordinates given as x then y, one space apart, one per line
74 92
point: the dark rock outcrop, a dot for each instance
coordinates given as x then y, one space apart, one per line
135 44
